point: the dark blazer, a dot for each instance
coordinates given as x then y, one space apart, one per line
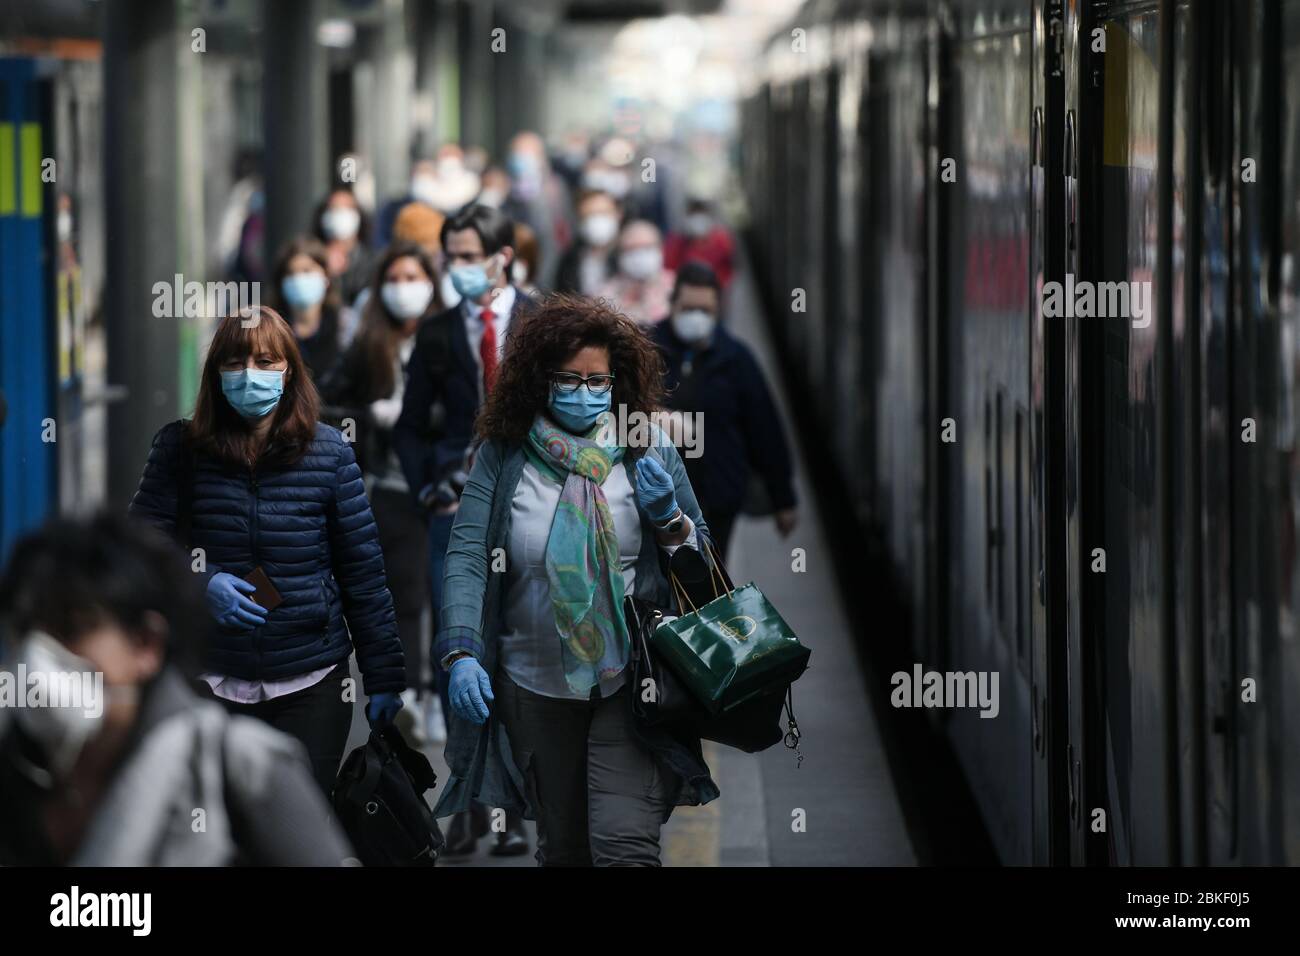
434 431
310 528
742 429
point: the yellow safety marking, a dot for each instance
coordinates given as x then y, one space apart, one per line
30 142
693 836
8 188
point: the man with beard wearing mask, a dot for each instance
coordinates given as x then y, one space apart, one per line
109 607
451 372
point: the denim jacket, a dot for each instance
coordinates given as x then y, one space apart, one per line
482 767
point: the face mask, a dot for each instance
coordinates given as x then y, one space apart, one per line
302 290
698 224
599 229
641 263
340 222
253 392
521 164
60 732
491 197
424 189
578 410
472 281
693 325
447 289
407 300
63 223
518 272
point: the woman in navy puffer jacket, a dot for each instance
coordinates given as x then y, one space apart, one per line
255 481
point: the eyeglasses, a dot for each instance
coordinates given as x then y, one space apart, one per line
569 382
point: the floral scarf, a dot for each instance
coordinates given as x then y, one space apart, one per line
582 562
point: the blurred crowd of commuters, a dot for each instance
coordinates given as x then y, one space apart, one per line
401 311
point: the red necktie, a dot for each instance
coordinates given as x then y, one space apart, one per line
487 350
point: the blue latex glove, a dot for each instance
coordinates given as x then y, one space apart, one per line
229 605
382 708
470 690
655 491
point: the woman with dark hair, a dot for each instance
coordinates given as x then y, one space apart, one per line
540 651
269 500
367 388
343 228
303 292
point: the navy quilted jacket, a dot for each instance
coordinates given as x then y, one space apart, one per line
310 528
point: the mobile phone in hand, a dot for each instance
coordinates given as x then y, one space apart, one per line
266 595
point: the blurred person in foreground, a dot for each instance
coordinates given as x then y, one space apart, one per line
642 287
454 367
538 654
264 491
367 387
588 262
703 238
303 292
110 604
713 377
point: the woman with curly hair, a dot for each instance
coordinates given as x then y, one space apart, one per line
558 522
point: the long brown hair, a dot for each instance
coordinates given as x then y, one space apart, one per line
379 335
220 431
546 335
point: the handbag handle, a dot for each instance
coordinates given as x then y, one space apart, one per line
714 568
716 578
680 592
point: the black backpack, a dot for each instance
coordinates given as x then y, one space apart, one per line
379 801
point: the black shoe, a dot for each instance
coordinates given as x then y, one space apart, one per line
479 818
461 840
514 841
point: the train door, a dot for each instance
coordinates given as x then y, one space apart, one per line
1282 290
989 234
1259 682
1053 431
1130 194
28 487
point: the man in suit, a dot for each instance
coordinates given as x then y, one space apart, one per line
454 365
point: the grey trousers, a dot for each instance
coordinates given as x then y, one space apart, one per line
600 796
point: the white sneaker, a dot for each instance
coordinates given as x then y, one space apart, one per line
435 728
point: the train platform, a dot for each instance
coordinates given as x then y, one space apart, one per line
840 807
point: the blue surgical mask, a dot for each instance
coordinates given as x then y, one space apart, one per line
471 281
302 290
578 410
253 392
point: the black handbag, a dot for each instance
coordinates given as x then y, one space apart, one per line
657 695
379 801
